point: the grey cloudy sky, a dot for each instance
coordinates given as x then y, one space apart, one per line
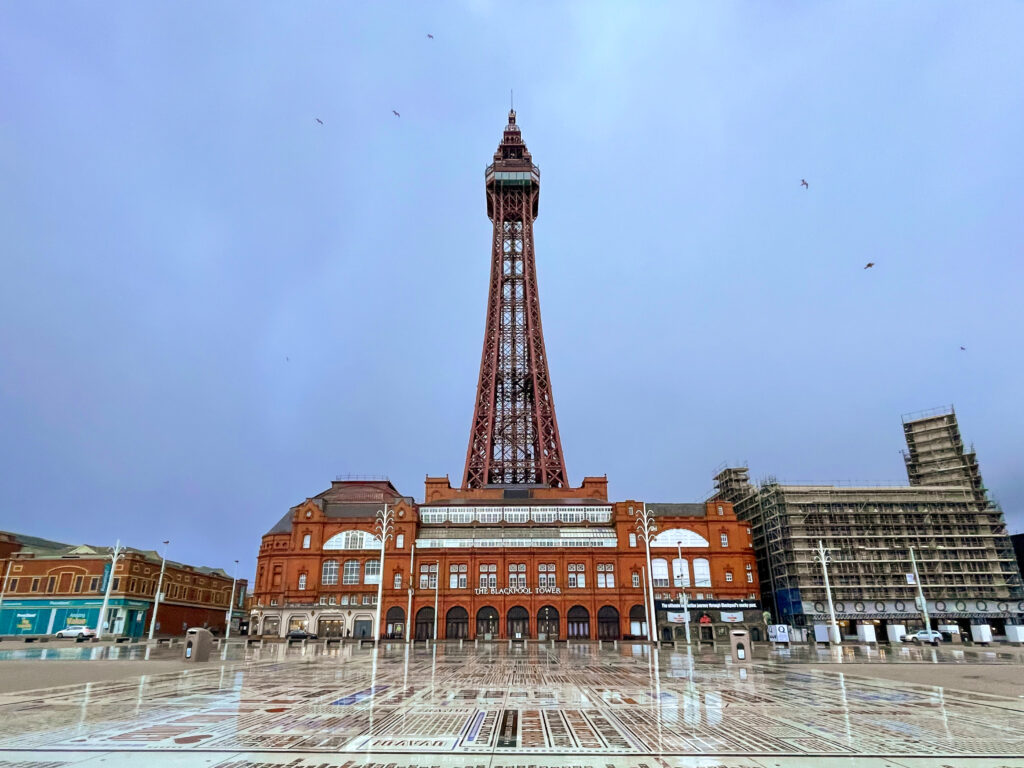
211 305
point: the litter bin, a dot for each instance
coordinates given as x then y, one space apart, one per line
198 643
739 641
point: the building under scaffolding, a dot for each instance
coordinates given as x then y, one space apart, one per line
964 554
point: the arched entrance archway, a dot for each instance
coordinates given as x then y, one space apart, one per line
456 624
394 623
518 622
578 620
608 627
638 622
487 622
547 623
425 623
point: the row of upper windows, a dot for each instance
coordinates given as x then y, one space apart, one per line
362 540
576 572
132 585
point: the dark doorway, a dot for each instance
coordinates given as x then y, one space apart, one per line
363 628
608 623
518 623
547 623
486 623
456 625
425 624
578 620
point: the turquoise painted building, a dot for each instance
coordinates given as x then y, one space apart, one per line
47 616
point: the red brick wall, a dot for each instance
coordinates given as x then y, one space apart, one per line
282 555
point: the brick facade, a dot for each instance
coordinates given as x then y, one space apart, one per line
71 579
582 579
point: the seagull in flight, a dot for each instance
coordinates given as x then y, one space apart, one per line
319 120
869 265
963 348
803 183
430 36
393 112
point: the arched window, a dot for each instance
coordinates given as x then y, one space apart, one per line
680 572
352 540
351 573
371 572
400 541
329 574
659 572
632 539
675 537
398 580
302 581
701 572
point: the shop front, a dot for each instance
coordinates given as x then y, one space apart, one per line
46 617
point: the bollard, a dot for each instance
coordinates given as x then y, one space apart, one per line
460 643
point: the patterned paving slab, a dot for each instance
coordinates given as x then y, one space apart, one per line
494 706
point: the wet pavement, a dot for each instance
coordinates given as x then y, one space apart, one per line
530 705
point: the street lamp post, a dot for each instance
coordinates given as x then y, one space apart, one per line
822 556
159 590
385 528
437 589
920 592
408 612
645 528
114 556
231 602
682 591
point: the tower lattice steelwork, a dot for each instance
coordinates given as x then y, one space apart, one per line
514 437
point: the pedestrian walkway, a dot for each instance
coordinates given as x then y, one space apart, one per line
498 706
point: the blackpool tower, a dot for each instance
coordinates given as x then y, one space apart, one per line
514 436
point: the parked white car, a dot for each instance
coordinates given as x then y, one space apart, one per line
76 632
924 636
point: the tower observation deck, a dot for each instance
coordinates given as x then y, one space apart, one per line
514 435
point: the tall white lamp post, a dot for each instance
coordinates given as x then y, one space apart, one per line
437 589
821 554
385 528
683 578
408 611
114 556
645 529
159 590
231 602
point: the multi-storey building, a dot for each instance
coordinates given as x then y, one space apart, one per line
515 552
958 535
500 562
47 586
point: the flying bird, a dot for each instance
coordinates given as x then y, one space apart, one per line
430 36
393 112
963 348
803 183
869 265
319 120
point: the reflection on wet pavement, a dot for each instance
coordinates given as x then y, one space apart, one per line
493 705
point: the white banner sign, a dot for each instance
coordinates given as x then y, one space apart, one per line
732 617
679 618
778 633
910 579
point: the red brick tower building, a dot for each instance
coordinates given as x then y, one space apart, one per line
516 552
